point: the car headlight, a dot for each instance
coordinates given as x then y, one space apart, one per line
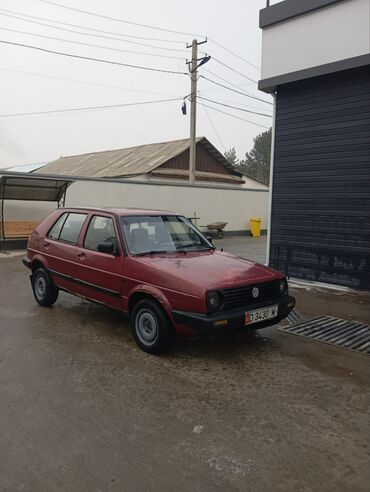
214 301
283 286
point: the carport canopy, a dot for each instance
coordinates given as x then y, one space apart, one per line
32 188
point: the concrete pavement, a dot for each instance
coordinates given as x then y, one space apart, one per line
83 409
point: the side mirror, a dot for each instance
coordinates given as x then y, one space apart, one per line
106 247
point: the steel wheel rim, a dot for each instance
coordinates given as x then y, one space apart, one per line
40 287
146 327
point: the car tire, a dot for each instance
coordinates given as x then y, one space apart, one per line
151 327
43 287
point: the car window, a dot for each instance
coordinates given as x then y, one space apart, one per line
162 233
57 227
72 228
100 230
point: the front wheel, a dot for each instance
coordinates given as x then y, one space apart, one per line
44 289
151 327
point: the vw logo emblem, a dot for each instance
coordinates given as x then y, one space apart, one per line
255 292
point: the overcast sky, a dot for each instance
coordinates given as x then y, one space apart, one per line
33 81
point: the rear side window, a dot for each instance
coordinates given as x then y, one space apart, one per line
57 227
100 230
71 228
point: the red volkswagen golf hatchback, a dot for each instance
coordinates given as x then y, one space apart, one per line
156 267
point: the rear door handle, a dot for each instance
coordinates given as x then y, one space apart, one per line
83 256
46 244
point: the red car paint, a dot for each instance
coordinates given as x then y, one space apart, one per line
179 282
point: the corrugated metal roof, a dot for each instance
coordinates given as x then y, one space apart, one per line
127 162
26 168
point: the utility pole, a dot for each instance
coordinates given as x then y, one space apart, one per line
193 110
194 65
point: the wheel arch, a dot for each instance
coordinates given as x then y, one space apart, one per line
151 294
36 264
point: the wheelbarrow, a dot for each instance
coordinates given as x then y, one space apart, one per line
216 229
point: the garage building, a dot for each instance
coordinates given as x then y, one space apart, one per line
316 62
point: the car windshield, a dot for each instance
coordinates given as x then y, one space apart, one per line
162 234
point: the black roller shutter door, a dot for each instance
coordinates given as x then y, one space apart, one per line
320 223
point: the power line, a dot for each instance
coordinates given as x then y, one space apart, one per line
213 125
87 33
91 45
237 117
115 19
156 28
175 41
101 60
233 90
88 108
227 81
234 107
86 82
233 53
232 101
233 70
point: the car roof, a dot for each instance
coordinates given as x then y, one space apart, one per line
122 211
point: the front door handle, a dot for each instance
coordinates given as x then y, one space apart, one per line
83 256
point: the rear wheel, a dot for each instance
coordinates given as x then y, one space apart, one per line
151 327
44 289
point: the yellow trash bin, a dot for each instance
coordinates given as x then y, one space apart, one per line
255 226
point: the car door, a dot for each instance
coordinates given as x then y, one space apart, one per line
59 247
99 274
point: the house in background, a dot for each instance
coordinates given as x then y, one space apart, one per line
316 61
166 161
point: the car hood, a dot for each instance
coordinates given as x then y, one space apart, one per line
204 270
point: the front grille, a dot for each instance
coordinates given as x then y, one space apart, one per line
242 296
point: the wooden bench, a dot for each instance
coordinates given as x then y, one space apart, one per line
18 229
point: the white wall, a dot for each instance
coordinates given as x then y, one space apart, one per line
235 206
325 35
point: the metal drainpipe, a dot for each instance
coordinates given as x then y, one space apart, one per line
271 181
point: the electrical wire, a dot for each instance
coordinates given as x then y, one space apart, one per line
90 34
116 19
148 27
227 81
88 108
175 41
86 82
234 107
213 125
90 58
232 101
237 117
233 70
44 36
233 90
233 53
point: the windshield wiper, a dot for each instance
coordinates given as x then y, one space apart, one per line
206 248
152 252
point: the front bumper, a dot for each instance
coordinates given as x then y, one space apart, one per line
233 319
26 262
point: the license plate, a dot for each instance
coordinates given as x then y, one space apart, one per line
260 314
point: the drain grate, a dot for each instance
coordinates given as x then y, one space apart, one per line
294 317
346 334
